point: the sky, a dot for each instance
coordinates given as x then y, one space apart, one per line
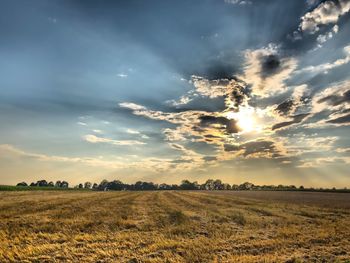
240 90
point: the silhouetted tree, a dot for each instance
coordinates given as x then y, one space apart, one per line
22 184
50 184
87 185
209 184
218 185
42 183
103 185
64 184
246 186
187 185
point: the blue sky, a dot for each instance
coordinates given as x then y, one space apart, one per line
165 90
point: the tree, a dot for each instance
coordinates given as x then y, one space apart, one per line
58 184
42 183
187 185
246 186
80 186
22 184
64 184
87 185
209 184
103 185
235 187
115 185
218 185
50 184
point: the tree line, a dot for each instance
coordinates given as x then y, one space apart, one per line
210 184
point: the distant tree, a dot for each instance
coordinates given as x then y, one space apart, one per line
301 187
234 187
218 185
246 186
175 187
80 186
209 185
87 185
22 184
64 184
164 187
42 183
95 186
58 184
187 185
51 184
226 187
115 185
103 185
33 184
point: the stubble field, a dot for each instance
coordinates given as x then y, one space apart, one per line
174 226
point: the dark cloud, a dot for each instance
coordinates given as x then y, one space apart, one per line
229 125
270 65
285 107
255 148
181 161
219 70
336 100
296 119
341 120
209 158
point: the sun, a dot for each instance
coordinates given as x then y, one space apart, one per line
246 119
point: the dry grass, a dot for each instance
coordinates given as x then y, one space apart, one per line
174 227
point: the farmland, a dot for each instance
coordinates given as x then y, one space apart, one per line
174 226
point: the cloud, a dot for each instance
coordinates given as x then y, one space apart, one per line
335 98
238 2
325 37
327 12
131 106
94 139
131 131
323 161
229 125
117 163
122 75
328 66
295 119
259 148
81 123
340 120
266 70
291 105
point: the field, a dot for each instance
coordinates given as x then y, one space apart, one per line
174 226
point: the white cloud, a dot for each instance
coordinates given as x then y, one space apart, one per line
238 2
326 13
131 106
94 139
81 123
267 77
122 75
328 66
131 131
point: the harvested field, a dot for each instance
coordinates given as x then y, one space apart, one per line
174 226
